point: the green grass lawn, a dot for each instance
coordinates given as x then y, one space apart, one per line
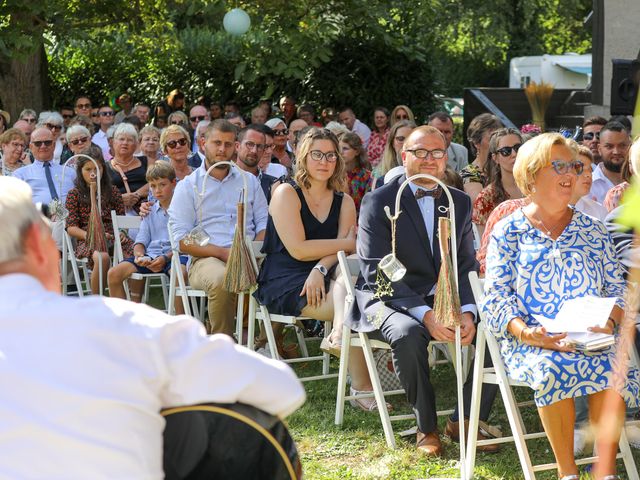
357 450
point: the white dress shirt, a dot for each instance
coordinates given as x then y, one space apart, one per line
100 139
219 208
592 208
363 132
276 170
84 380
600 185
34 175
427 206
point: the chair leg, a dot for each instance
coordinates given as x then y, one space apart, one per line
251 328
627 456
377 390
326 358
239 317
165 289
474 414
266 320
301 341
342 374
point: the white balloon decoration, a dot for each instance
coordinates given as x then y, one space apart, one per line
236 22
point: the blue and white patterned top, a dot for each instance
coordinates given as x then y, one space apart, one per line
530 273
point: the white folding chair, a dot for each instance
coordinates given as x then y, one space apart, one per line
350 269
77 265
261 313
193 300
128 222
498 375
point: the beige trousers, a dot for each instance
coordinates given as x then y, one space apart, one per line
207 273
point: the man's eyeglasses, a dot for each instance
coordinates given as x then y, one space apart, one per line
174 143
105 114
591 135
318 156
83 105
268 148
199 118
52 126
562 168
40 143
252 145
423 153
78 141
506 151
281 133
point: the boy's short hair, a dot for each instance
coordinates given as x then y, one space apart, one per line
161 169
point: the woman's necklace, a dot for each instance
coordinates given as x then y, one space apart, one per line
124 165
550 231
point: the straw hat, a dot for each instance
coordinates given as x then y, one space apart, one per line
6 116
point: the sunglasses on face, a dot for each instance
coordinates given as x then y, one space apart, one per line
281 133
402 117
174 143
78 141
176 122
591 135
506 151
106 114
561 168
95 114
318 156
199 118
83 105
66 116
40 143
30 120
51 126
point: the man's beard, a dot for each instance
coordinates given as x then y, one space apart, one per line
612 166
250 162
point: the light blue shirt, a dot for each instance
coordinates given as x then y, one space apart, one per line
34 175
153 233
427 206
219 208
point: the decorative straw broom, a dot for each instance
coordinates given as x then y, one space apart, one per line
96 238
239 275
446 304
539 96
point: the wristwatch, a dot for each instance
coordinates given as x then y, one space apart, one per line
322 269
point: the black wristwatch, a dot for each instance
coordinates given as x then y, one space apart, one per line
322 269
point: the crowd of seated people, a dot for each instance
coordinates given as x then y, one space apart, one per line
314 191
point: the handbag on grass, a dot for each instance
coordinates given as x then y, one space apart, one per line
384 364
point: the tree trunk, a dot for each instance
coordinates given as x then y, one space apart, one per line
24 83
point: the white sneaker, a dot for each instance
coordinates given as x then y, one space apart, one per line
633 435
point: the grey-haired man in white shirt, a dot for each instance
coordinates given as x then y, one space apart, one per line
87 377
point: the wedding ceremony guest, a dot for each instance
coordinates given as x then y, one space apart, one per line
614 151
400 113
349 120
149 144
391 156
176 145
457 154
356 167
379 135
108 425
576 251
12 145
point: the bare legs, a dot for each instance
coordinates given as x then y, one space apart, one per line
98 258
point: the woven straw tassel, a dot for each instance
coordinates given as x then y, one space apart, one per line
239 275
96 238
446 304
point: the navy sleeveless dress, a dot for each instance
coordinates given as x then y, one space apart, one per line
281 276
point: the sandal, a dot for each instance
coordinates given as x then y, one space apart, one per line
368 404
330 347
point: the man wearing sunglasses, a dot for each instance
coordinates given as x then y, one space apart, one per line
83 106
591 136
614 150
197 114
89 376
105 119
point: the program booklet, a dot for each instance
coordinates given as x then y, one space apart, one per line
575 318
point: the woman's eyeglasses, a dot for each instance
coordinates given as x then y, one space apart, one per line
562 168
174 143
52 126
318 156
506 151
78 141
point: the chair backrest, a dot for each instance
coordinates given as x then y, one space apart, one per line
255 247
477 240
121 222
477 287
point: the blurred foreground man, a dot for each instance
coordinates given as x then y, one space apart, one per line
85 378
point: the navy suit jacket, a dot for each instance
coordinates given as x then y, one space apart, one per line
413 249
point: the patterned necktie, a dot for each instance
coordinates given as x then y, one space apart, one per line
435 193
52 186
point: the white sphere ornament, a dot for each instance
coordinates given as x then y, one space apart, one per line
236 22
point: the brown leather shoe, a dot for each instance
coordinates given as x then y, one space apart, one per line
429 444
452 431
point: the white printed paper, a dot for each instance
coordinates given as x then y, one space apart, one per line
579 314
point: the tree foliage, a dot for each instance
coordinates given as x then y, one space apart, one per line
331 52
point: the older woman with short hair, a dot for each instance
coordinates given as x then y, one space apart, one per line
539 257
128 172
12 145
178 118
176 145
150 144
280 132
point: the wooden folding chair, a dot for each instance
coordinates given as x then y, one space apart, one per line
350 269
498 375
128 222
261 313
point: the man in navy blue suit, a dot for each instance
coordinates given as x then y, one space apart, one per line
405 318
